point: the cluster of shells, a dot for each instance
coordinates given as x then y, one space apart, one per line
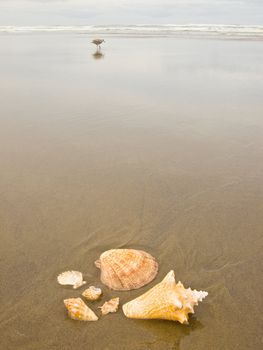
127 269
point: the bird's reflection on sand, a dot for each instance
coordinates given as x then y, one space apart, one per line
98 55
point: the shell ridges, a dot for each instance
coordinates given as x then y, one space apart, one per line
126 269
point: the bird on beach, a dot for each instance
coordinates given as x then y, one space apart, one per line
98 42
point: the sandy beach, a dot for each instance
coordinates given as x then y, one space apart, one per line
155 144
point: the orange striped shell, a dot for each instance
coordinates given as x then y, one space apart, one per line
78 310
126 269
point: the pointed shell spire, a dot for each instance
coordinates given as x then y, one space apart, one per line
126 269
78 310
167 300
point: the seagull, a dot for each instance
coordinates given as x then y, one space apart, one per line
98 42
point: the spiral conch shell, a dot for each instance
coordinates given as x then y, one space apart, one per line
126 269
167 300
110 306
72 278
92 293
78 310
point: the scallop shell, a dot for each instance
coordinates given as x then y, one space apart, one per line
72 278
92 293
126 269
78 310
167 300
110 306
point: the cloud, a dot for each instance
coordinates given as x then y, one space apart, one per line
44 12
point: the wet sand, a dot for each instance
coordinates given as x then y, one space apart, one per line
157 144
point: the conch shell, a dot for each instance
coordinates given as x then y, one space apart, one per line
167 300
72 278
92 293
110 306
78 310
125 269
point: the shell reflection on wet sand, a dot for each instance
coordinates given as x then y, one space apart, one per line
78 310
110 306
167 300
126 269
92 293
72 278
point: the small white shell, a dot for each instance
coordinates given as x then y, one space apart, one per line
110 306
72 278
92 293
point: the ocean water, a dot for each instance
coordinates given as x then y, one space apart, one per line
231 31
153 144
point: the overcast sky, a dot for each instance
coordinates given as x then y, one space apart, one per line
85 12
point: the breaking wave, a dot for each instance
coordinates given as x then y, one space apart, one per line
236 31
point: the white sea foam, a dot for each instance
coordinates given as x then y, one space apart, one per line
236 31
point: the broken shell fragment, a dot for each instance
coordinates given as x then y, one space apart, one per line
92 293
110 306
72 278
167 300
78 310
126 269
